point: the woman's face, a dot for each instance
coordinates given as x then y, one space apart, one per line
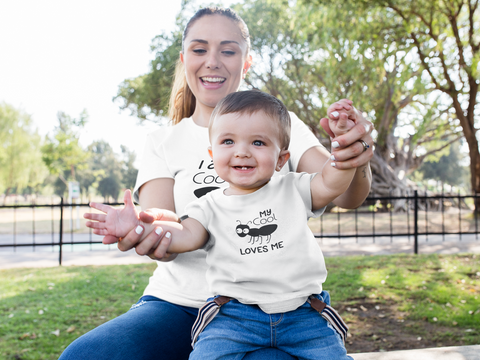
215 59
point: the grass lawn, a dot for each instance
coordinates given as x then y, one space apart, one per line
390 302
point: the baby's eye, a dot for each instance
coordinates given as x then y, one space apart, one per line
258 143
227 142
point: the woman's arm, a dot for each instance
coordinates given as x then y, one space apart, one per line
157 193
312 162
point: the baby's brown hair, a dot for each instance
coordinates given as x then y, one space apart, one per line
252 101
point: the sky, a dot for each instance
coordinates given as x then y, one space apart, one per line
58 55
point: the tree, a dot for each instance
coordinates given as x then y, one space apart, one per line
20 162
447 168
106 169
444 35
62 152
129 172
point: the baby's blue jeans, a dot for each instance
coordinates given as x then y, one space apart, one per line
238 329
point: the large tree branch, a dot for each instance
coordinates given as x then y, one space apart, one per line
439 148
472 9
441 56
453 22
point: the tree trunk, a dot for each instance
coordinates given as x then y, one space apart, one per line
474 168
386 183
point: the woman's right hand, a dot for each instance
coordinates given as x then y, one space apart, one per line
155 244
347 149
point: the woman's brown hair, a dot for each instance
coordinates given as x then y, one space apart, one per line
182 101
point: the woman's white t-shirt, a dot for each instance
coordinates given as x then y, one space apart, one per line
179 152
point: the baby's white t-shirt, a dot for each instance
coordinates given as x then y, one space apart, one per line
261 250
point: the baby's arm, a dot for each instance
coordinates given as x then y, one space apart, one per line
188 236
331 182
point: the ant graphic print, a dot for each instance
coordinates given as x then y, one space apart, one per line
262 230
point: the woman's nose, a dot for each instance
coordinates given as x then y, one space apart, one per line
212 61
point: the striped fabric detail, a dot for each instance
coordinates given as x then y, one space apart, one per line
329 314
336 321
205 315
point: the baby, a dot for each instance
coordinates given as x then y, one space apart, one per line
265 267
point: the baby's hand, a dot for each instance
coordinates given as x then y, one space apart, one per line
340 122
116 221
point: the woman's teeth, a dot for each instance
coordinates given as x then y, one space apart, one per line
212 80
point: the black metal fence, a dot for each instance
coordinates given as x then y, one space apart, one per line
19 232
409 217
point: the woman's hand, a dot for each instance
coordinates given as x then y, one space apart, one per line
347 150
153 244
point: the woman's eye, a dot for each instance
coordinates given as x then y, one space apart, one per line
199 51
258 143
229 53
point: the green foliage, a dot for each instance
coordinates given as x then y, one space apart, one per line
147 96
447 168
62 152
106 170
129 172
20 162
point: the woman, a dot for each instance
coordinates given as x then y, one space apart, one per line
176 169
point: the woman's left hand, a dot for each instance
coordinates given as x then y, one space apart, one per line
348 150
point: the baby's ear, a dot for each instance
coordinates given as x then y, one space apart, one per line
282 159
210 152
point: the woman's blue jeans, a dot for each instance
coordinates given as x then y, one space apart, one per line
151 329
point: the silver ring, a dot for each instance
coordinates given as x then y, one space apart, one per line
365 145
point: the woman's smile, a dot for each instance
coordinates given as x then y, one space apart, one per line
212 83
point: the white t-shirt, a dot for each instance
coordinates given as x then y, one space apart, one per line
179 152
261 250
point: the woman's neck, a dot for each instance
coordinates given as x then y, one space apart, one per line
201 115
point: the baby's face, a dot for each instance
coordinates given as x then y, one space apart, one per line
246 150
